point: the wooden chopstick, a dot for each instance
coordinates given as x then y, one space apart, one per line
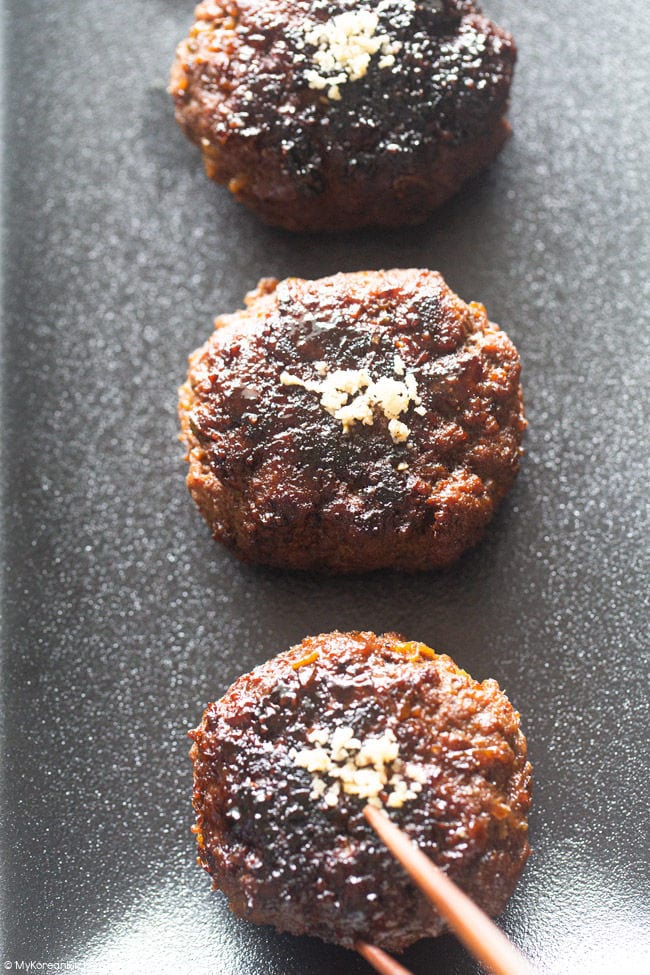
472 926
380 961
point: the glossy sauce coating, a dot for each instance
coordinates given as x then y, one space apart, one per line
397 142
285 859
280 481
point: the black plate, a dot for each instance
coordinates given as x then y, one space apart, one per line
122 618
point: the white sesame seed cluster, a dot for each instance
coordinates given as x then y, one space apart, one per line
344 46
350 395
364 768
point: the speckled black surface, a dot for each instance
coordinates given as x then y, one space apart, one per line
122 618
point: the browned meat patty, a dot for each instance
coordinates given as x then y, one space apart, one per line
285 762
323 115
357 422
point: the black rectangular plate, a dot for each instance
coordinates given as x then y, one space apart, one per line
122 619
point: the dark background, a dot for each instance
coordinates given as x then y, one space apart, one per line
122 619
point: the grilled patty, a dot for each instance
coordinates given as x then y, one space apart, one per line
300 855
404 471
323 115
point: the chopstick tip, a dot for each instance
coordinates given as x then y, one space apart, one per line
380 961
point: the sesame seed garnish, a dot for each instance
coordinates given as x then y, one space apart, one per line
351 395
344 47
369 768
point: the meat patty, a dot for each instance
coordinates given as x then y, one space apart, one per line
335 114
356 422
285 762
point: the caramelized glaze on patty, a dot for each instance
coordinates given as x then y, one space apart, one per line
386 145
288 859
281 481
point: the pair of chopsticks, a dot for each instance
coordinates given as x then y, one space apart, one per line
470 924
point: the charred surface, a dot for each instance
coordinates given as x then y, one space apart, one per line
285 859
281 482
394 144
